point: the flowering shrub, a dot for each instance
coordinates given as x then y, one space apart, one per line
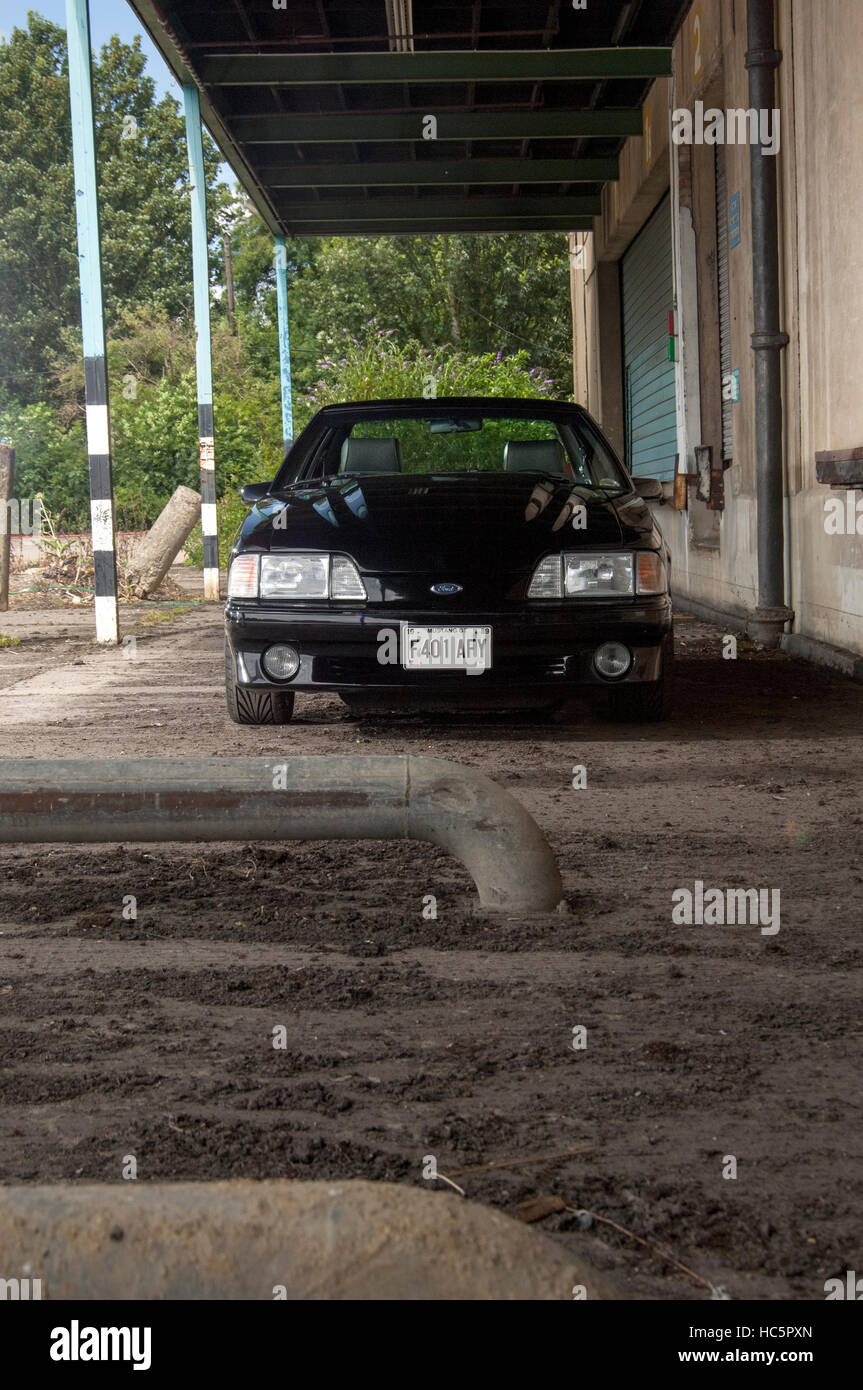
379 368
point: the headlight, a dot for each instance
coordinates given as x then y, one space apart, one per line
295 576
309 576
586 575
583 575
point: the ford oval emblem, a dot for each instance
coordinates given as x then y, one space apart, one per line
446 588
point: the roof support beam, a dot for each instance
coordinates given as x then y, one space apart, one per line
346 127
421 210
433 226
397 173
316 69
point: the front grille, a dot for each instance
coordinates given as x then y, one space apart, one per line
365 671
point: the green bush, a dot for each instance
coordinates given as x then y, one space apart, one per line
380 368
49 459
248 450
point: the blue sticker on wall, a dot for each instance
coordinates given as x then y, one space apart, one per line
734 220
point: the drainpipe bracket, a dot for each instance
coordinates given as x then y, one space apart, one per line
763 58
762 342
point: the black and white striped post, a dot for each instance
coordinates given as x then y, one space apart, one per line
203 360
92 321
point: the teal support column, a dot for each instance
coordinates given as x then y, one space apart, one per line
281 264
203 357
92 321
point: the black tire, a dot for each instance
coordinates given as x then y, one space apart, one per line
650 702
249 706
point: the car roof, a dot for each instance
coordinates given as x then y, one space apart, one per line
445 404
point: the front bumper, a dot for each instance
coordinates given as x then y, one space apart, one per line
544 648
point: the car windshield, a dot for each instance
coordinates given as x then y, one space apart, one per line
464 444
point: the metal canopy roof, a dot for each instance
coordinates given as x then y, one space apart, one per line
322 107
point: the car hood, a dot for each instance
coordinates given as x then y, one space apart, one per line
413 522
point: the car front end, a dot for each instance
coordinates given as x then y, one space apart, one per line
465 584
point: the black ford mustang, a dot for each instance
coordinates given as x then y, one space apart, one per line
456 550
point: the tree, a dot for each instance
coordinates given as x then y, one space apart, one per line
143 193
480 293
255 288
487 293
151 374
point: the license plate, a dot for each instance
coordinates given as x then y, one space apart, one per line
446 648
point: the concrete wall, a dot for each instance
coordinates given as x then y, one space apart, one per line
821 170
820 167
31 550
714 551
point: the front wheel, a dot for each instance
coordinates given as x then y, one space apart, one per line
646 703
249 706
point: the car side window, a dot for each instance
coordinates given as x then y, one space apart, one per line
593 460
324 460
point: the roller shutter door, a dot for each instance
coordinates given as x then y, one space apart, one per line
648 295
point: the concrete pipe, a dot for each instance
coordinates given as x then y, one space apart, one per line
100 801
276 1240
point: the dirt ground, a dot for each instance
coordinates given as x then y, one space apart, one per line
453 1037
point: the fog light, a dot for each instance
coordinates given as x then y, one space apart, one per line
281 663
612 660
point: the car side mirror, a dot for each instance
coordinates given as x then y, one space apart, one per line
649 488
254 492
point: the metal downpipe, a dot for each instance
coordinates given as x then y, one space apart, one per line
766 624
101 801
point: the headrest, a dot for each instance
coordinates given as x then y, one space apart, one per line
371 456
536 456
